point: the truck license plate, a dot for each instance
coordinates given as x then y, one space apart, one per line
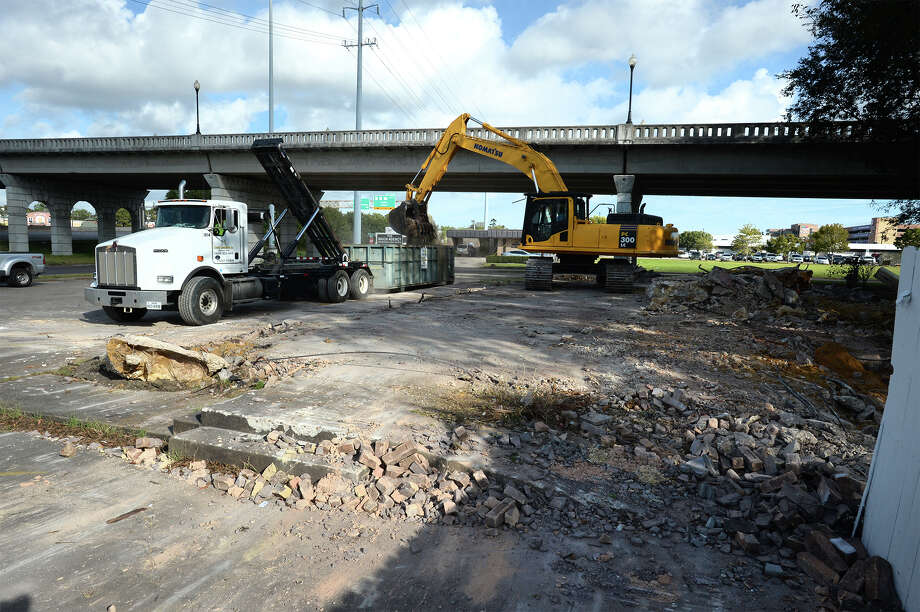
154 305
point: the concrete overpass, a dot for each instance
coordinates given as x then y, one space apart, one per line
750 159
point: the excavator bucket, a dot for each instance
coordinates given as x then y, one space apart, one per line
411 219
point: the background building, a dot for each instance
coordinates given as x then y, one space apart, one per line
38 217
881 230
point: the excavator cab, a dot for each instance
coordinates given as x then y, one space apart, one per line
547 216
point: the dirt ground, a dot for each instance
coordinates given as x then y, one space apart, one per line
496 359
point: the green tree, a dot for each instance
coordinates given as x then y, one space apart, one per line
190 194
910 237
150 214
863 65
122 218
598 219
696 240
81 214
785 244
38 206
830 238
747 238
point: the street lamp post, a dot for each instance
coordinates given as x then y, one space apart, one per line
632 67
197 121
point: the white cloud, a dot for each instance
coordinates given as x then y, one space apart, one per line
675 41
91 67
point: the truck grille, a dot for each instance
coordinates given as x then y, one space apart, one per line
116 267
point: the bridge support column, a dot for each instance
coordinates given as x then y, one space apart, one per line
138 217
61 230
629 196
105 220
18 199
107 202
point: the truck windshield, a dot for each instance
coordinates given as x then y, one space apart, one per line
198 217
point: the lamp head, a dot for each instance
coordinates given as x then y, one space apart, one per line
632 61
197 85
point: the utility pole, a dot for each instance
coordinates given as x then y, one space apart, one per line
356 225
485 210
271 71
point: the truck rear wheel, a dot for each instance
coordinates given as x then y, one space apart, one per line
338 286
20 276
201 302
124 316
361 284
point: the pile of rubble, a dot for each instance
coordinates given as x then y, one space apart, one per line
737 292
401 483
775 486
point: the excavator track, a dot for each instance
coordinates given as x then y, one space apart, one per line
538 275
618 277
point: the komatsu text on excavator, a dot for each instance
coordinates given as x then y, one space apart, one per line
556 221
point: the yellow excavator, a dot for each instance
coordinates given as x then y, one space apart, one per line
556 220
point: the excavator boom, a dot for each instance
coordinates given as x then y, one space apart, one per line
411 217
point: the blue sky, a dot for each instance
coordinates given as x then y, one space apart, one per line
124 67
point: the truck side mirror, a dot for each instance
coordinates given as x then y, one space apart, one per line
231 224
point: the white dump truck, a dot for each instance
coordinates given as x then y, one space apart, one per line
202 259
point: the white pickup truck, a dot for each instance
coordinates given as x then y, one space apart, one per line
20 269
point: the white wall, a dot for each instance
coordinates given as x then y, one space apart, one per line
892 512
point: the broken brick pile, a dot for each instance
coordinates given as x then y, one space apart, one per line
400 483
766 485
740 292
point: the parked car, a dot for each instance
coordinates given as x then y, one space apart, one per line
683 255
20 269
725 257
823 260
523 253
756 258
867 259
712 256
796 259
696 255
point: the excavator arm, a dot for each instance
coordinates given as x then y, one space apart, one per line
411 216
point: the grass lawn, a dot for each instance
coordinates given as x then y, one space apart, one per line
83 252
689 266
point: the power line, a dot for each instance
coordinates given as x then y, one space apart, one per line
414 98
437 80
316 6
258 21
434 82
232 25
385 92
392 67
433 49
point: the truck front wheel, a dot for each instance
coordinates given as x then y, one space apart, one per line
201 302
124 316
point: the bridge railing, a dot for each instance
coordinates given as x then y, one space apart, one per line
546 135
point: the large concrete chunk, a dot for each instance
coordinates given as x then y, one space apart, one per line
142 358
